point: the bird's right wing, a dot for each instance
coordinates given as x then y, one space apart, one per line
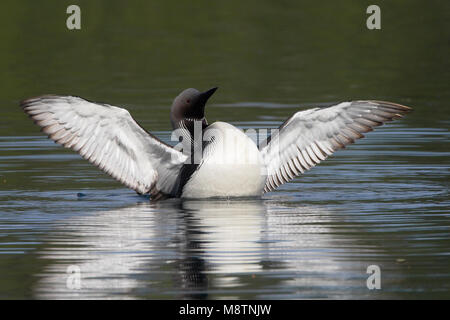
310 136
110 138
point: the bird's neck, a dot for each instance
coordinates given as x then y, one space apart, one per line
190 124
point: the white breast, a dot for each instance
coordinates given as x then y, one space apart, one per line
231 166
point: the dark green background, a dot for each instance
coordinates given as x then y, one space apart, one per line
143 53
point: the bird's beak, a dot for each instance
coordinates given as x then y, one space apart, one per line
204 96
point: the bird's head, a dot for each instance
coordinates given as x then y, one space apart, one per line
190 105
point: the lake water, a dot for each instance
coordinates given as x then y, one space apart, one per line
383 201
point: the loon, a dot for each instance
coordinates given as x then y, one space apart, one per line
214 160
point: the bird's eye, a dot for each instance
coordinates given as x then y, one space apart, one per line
188 101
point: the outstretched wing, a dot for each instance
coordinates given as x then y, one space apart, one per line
310 136
110 138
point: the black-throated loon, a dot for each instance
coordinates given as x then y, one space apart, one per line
220 160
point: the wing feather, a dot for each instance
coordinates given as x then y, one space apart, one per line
317 133
111 139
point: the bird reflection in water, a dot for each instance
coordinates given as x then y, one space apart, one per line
183 249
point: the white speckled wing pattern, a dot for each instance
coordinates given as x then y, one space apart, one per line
310 136
111 139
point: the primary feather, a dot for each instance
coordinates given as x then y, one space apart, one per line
310 136
111 139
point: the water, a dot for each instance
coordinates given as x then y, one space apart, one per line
383 201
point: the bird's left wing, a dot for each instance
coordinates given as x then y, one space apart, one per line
310 136
111 139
